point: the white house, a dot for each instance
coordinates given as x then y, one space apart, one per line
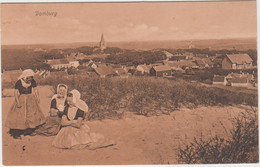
143 69
219 80
62 63
74 64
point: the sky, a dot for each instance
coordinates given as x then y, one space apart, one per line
84 22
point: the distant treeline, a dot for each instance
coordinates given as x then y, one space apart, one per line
130 57
20 58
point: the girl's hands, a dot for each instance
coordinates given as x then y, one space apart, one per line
18 105
74 121
53 112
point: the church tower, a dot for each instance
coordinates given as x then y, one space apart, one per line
102 43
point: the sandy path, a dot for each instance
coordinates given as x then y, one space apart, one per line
140 140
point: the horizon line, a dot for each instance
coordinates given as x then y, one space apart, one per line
134 41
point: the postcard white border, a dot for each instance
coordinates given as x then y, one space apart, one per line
78 1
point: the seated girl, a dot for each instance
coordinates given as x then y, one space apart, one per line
75 134
53 123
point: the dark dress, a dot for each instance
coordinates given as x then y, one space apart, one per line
52 125
79 113
29 115
23 90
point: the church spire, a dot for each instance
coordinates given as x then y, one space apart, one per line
102 43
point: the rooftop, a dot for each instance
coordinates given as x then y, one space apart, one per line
162 68
58 61
106 70
240 58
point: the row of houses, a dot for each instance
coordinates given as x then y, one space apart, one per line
234 79
185 60
230 61
159 69
183 56
58 64
168 68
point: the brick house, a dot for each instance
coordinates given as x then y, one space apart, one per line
161 71
237 61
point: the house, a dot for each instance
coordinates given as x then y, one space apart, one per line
167 54
157 63
182 64
189 56
104 72
80 56
11 76
173 57
200 63
178 57
116 65
120 71
94 65
209 63
217 63
201 56
43 73
58 64
161 71
143 69
177 71
204 63
74 64
237 61
240 80
219 80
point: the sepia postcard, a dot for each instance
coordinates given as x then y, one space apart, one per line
129 83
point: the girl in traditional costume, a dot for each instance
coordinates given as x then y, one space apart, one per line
25 114
75 134
53 122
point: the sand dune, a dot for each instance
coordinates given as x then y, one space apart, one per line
140 139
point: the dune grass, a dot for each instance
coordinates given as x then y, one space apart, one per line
144 95
240 147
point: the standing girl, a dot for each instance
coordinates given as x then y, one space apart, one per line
25 114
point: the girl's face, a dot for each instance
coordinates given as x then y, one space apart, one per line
61 91
70 101
28 79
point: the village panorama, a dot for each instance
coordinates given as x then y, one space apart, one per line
222 68
168 103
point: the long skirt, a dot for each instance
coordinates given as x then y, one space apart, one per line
78 138
29 115
50 128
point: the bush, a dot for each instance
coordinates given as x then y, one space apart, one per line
240 147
